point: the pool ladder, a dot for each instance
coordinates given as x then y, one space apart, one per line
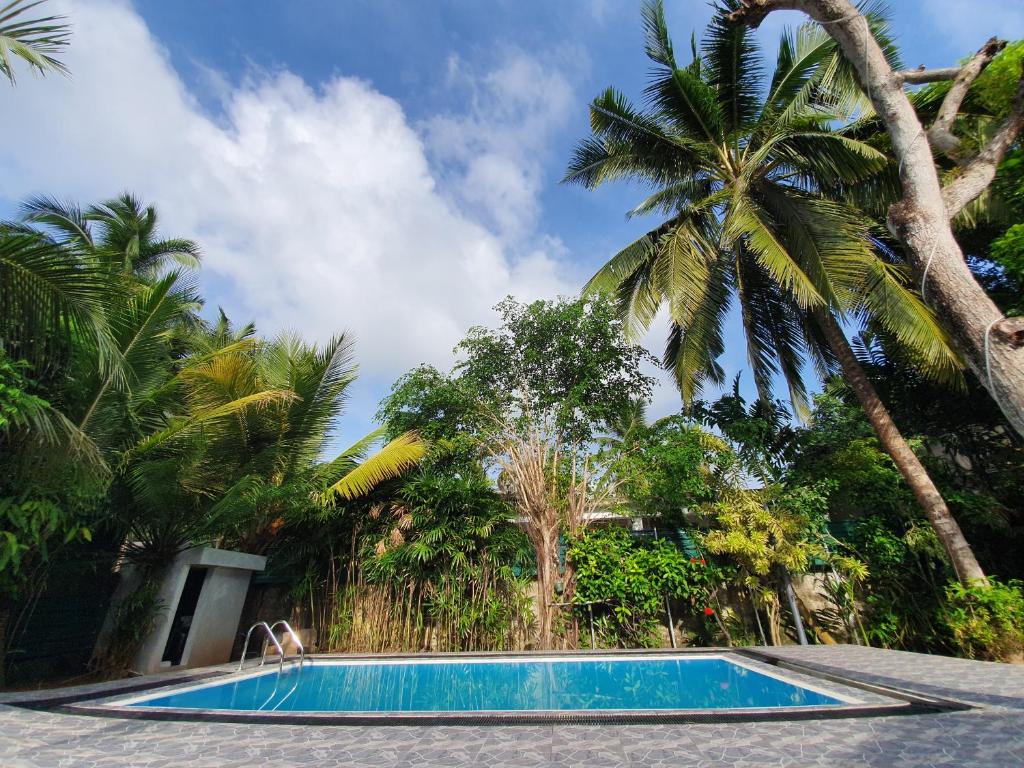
268 630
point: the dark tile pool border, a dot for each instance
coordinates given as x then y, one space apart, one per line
904 702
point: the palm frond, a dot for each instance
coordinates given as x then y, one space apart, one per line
774 334
399 455
320 378
674 197
627 277
139 325
63 218
745 220
49 293
689 105
828 158
629 143
829 239
838 84
893 304
693 349
797 67
184 253
181 427
687 256
657 44
34 41
733 69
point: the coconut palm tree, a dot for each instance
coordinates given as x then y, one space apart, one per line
52 297
265 467
127 237
34 41
736 163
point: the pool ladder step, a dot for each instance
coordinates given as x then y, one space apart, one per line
271 638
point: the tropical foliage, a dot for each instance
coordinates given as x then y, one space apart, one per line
524 498
128 412
625 582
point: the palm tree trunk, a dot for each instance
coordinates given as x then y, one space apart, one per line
928 496
798 622
991 345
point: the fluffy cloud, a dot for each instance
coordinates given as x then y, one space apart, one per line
488 154
319 207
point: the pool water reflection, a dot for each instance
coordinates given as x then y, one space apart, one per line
507 685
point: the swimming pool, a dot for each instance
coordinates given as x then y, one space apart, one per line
505 685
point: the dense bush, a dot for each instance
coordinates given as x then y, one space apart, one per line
985 621
628 581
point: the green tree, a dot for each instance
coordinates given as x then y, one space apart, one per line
564 365
667 468
739 167
549 381
531 398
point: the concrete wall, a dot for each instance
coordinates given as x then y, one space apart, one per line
215 621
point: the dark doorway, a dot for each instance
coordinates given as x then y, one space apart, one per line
182 622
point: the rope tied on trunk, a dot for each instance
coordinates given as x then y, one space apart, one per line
927 266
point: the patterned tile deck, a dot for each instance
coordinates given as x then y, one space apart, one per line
992 735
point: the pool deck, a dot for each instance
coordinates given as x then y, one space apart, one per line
989 734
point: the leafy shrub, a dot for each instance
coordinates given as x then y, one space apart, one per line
986 622
629 580
901 596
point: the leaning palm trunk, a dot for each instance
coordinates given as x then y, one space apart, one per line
745 173
991 345
928 496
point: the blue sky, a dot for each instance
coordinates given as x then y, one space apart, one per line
386 168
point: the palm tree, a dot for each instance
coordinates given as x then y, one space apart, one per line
52 298
268 461
623 427
34 41
128 234
738 167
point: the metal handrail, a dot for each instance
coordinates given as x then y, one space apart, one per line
263 658
292 635
277 685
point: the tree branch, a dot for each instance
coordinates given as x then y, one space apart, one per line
922 75
979 172
940 135
752 12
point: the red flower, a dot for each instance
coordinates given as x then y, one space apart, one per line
693 559
702 561
709 611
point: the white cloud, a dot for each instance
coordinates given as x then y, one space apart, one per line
491 153
320 208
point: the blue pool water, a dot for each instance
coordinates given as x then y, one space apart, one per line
510 685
